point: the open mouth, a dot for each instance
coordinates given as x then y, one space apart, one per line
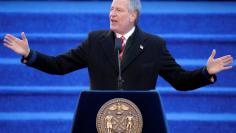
113 21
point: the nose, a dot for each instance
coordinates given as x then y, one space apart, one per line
112 13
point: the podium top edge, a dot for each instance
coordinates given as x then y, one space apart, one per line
118 91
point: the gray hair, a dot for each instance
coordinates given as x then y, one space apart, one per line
135 5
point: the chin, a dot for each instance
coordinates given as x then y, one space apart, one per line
112 28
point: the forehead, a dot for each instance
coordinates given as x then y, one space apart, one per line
120 3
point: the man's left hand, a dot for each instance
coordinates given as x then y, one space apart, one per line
219 64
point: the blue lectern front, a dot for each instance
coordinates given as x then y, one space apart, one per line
148 102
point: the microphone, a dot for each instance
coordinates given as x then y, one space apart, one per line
118 44
118 50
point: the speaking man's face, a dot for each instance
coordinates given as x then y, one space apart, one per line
121 19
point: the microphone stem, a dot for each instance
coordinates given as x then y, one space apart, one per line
120 80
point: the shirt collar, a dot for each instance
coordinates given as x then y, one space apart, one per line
127 35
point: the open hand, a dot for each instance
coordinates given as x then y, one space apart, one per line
20 46
219 64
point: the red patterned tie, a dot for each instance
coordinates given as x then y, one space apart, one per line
122 46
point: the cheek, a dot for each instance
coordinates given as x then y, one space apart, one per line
126 20
131 18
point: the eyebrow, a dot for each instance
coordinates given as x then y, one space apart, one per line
120 8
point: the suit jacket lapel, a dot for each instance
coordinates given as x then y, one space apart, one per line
137 47
108 47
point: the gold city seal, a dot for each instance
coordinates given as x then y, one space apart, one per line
119 115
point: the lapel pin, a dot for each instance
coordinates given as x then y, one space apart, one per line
141 47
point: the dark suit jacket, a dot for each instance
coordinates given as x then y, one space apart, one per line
145 57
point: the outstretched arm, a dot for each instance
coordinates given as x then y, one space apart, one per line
70 61
182 79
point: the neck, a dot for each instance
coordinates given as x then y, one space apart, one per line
127 34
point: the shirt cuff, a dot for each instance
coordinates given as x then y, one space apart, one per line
210 77
30 58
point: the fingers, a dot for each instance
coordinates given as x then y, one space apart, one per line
230 59
225 60
228 63
213 53
11 38
7 45
7 41
225 57
227 68
23 36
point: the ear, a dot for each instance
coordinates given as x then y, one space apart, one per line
133 16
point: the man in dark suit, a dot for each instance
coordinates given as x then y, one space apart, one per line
143 57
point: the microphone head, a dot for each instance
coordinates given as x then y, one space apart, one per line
118 44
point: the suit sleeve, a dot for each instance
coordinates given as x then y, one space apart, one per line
179 78
72 60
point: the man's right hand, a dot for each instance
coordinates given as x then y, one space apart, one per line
20 46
